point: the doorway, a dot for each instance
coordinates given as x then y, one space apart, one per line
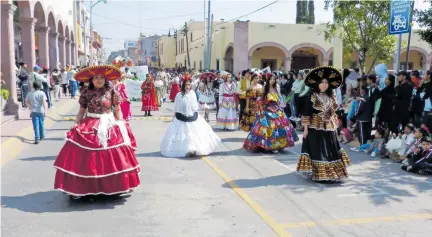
272 63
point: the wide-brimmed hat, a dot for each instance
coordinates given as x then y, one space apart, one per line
110 72
331 74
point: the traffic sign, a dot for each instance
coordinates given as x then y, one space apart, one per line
400 17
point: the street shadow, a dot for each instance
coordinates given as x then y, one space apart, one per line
233 139
22 139
39 158
67 115
55 202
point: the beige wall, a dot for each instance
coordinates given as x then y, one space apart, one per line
166 51
268 36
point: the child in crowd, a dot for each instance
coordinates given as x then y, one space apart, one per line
398 145
421 162
37 103
418 134
375 147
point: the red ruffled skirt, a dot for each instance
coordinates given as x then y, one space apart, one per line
175 88
84 167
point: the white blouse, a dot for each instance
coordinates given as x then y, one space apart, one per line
186 104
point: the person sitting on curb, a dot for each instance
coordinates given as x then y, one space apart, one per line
421 162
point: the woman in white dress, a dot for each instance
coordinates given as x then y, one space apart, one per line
227 115
206 98
188 134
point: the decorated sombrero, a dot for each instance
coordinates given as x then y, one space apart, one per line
109 71
332 75
186 77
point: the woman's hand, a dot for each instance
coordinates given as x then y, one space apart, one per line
305 133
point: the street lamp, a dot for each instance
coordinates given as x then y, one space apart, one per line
91 22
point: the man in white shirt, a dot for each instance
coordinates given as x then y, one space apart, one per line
35 76
64 81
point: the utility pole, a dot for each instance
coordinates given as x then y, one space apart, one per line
185 32
91 29
205 36
207 66
210 42
409 39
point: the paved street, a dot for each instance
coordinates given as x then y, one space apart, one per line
231 194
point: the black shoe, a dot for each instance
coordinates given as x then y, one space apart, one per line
36 142
42 138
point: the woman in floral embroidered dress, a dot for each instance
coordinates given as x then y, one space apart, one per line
253 100
322 158
227 115
149 99
98 156
271 131
125 104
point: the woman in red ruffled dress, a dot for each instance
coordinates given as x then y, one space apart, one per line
175 88
98 156
148 98
125 104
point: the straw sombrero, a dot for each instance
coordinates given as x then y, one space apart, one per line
110 72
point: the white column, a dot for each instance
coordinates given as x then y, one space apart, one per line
61 48
8 57
42 32
53 50
28 40
325 61
68 51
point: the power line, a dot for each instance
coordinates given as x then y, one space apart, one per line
125 23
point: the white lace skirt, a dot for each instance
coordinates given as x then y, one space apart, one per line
182 138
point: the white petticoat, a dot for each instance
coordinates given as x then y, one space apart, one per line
182 138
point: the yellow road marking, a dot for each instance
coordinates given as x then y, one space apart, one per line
13 146
358 221
277 228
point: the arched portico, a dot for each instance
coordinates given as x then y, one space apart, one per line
229 57
419 59
268 54
308 55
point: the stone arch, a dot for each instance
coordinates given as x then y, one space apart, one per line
66 31
60 26
415 48
229 57
403 59
51 21
329 52
307 45
72 36
39 14
268 44
26 9
231 44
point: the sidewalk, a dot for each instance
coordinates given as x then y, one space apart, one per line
17 134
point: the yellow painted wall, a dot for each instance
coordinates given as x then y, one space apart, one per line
267 53
166 47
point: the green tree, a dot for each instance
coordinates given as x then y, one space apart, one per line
363 28
311 12
305 12
424 19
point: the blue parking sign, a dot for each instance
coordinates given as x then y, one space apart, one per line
400 17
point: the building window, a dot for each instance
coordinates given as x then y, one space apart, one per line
217 64
191 39
194 67
200 64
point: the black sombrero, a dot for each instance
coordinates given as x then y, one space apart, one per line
331 74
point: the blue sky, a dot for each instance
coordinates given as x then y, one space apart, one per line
121 20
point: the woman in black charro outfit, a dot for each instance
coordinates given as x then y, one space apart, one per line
322 158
